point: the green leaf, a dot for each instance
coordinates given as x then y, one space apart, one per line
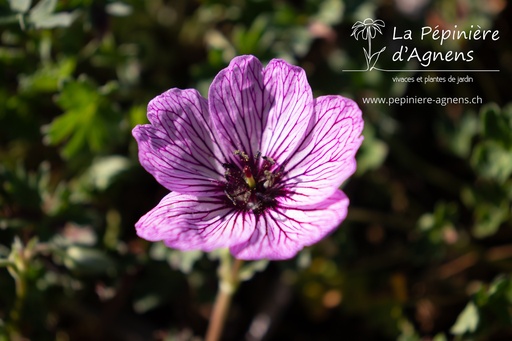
330 12
440 337
42 15
184 260
467 322
147 303
54 20
90 121
251 40
489 218
492 160
43 8
460 133
119 9
492 156
6 263
436 224
9 19
248 270
496 125
181 260
137 115
373 152
408 332
47 78
493 302
87 260
20 6
22 187
104 170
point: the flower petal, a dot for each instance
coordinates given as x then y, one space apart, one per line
187 222
255 109
178 147
290 110
239 105
280 234
326 157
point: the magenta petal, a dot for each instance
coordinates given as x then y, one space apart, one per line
282 233
239 105
326 157
178 147
186 222
290 111
256 109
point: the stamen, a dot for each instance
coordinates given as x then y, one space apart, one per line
249 178
242 155
269 160
253 185
269 179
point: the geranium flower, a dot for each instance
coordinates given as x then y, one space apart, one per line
255 168
367 29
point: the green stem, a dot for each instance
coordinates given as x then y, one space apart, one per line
6 263
17 310
17 265
228 284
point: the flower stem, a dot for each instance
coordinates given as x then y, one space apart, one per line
218 317
228 284
17 271
17 310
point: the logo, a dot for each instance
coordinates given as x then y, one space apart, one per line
368 29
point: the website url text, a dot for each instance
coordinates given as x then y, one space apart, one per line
443 101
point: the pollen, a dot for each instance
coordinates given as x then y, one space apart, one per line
249 178
253 185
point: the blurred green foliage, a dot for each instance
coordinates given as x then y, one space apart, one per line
425 253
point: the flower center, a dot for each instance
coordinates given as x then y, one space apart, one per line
256 186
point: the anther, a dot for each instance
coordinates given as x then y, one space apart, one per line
269 160
243 156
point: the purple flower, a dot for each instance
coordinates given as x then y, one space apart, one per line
255 168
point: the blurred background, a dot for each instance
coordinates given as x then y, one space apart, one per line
426 250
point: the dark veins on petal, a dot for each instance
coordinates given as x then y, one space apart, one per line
256 185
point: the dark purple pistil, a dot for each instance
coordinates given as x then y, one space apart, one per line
255 186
